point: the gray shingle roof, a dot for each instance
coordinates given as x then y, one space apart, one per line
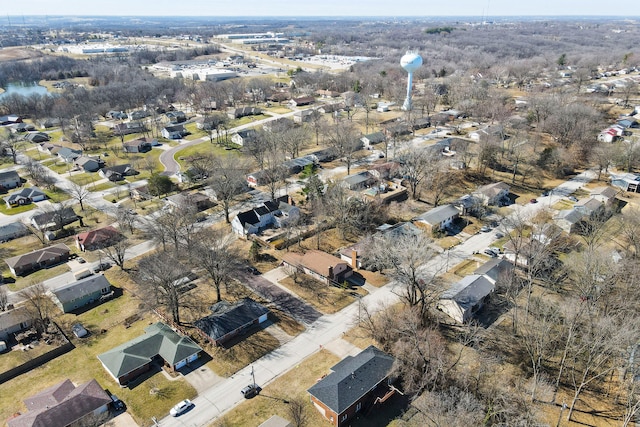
227 318
62 405
82 287
352 378
439 214
38 255
469 291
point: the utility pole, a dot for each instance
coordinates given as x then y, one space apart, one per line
253 376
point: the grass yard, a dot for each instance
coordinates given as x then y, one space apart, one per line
84 178
38 276
324 298
102 186
247 119
291 385
227 361
465 268
56 195
204 147
81 365
15 210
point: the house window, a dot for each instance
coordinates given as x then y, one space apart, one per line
358 406
343 418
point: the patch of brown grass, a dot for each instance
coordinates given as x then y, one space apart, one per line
291 385
227 361
324 298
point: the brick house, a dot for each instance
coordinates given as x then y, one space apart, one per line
355 384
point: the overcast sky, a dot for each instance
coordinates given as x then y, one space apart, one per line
323 7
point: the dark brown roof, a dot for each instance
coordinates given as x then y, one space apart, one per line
61 405
37 256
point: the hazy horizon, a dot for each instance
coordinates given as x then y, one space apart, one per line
326 9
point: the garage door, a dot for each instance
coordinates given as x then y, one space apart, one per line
181 364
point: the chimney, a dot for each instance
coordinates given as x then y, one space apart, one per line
331 272
354 259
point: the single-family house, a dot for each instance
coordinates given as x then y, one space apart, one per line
197 200
9 179
628 182
140 193
264 216
465 297
48 123
227 321
331 108
326 93
22 128
236 113
116 115
303 116
494 194
129 128
467 204
608 135
138 114
77 294
12 231
372 139
589 207
628 123
10 119
420 123
118 172
437 218
98 238
25 196
64 404
489 133
37 137
325 154
568 220
468 295
68 155
49 148
278 125
606 195
24 264
127 361
207 123
243 137
54 220
360 181
355 384
13 321
303 100
319 265
176 116
396 129
353 254
174 131
140 145
89 164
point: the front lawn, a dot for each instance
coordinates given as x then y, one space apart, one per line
105 323
274 398
227 361
324 298
15 210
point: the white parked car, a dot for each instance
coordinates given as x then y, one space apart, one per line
79 330
181 407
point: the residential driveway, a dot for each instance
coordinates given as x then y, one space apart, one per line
200 376
282 299
121 420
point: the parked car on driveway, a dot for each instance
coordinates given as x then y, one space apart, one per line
79 330
491 253
485 229
181 408
118 405
533 201
573 198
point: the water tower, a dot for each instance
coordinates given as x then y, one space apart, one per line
411 61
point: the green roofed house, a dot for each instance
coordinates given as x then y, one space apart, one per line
135 357
356 384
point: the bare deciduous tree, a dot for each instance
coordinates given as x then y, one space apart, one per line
214 252
79 193
227 179
38 305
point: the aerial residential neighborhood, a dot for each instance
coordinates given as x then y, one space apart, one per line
280 222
